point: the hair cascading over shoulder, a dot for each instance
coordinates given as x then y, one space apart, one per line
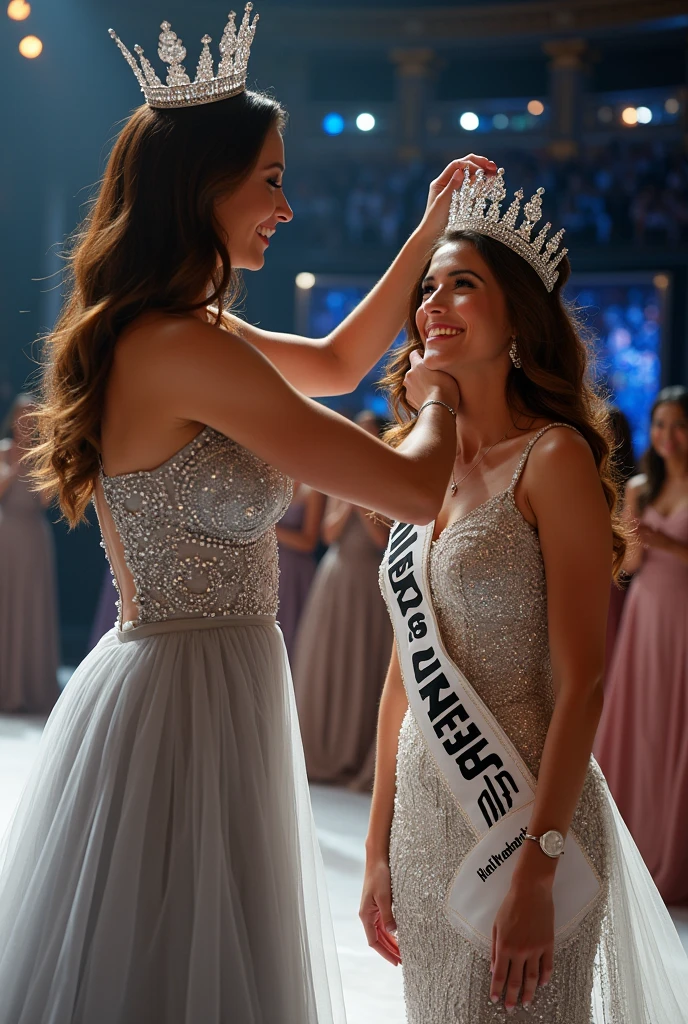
553 381
652 464
150 242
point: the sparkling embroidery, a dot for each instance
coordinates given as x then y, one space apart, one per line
198 532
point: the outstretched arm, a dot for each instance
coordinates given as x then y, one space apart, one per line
563 489
335 365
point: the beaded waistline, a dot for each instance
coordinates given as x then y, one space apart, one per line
182 625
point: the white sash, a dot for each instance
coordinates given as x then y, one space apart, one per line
482 768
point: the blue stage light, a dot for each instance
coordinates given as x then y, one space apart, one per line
333 124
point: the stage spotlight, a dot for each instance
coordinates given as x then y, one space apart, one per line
672 105
30 46
305 280
500 121
644 115
365 122
469 121
333 124
536 107
18 10
605 115
629 116
661 281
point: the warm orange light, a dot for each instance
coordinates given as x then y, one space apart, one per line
18 10
536 107
629 116
660 281
30 46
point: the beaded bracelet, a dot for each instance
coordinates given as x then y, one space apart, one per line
435 401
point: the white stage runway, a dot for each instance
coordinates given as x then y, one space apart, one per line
372 987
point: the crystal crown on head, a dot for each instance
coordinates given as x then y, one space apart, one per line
468 211
180 91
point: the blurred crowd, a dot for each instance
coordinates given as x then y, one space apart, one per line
618 194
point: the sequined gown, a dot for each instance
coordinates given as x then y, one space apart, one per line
488 588
162 866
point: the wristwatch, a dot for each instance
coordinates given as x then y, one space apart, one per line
551 843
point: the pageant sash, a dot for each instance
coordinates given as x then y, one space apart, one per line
482 768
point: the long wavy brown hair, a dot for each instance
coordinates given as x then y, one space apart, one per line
150 242
554 381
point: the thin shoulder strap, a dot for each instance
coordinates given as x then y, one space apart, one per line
529 447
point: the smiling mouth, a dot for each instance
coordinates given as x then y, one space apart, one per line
265 233
443 332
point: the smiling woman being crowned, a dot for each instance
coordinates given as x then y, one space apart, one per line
495 852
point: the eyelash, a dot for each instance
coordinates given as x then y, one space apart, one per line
460 281
275 184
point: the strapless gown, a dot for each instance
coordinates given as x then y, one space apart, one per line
488 587
162 866
642 742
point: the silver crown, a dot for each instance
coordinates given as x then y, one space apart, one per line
180 91
468 211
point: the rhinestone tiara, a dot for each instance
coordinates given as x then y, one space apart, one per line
180 91
468 211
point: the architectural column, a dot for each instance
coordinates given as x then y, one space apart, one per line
567 71
415 73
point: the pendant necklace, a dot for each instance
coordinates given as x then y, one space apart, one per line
455 483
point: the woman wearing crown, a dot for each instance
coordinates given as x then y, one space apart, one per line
495 852
162 867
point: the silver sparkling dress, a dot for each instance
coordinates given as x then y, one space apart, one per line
162 866
488 587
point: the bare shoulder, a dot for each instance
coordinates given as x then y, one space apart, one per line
561 473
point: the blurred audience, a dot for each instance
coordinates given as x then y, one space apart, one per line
620 193
28 597
642 742
343 646
298 536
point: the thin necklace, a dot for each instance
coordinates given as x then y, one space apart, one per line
455 483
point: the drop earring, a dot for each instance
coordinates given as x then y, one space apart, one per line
513 353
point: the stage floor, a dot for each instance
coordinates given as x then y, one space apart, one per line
372 987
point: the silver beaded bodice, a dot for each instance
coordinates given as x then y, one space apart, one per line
488 587
198 532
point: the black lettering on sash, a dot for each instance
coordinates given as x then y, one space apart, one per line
405 586
488 808
502 778
462 739
399 534
401 566
471 764
418 657
431 693
450 720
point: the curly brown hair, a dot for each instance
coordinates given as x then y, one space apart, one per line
554 379
150 242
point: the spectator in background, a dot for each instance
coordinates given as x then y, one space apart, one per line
343 644
642 742
625 467
298 534
28 600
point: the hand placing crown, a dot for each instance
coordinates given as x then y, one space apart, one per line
180 91
477 207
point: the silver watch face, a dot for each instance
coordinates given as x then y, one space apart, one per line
552 843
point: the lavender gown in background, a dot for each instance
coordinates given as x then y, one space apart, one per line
341 659
28 604
642 742
297 569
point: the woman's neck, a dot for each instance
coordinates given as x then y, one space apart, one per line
676 469
484 414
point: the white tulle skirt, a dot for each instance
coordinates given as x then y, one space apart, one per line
162 865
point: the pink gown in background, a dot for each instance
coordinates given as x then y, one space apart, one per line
642 742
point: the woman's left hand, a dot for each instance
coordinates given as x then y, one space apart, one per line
522 943
441 189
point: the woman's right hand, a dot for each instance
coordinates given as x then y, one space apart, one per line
423 384
376 910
